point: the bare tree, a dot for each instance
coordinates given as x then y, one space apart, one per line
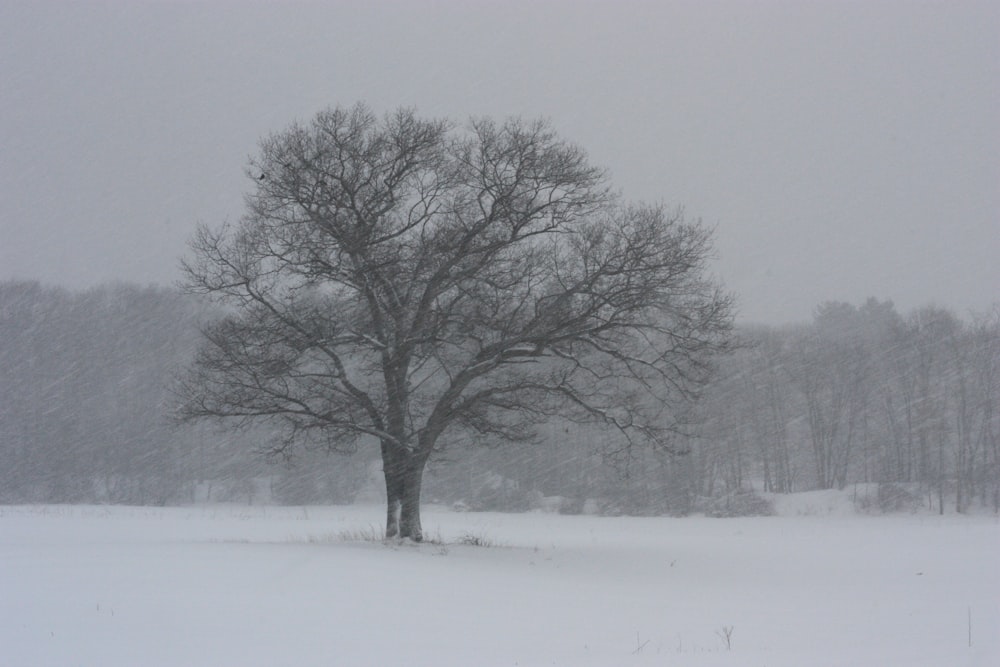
831 370
400 278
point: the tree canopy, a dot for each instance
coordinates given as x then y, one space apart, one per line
401 278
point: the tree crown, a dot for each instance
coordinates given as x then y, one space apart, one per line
398 277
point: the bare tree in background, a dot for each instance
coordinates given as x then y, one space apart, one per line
400 278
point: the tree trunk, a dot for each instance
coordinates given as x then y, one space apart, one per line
403 479
409 519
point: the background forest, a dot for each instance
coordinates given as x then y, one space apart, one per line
904 406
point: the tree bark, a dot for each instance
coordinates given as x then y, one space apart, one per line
409 516
403 480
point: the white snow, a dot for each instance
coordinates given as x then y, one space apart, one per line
267 586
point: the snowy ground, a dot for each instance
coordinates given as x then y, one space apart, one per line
248 586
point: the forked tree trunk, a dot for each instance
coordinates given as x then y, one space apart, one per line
403 479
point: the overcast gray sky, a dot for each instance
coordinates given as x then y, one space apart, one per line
840 149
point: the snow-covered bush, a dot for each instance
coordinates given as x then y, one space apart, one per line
741 502
890 497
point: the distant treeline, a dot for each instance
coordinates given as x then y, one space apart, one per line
908 403
862 394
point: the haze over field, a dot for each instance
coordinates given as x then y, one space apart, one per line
841 150
571 383
838 150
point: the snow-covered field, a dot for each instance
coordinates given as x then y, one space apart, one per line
247 586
